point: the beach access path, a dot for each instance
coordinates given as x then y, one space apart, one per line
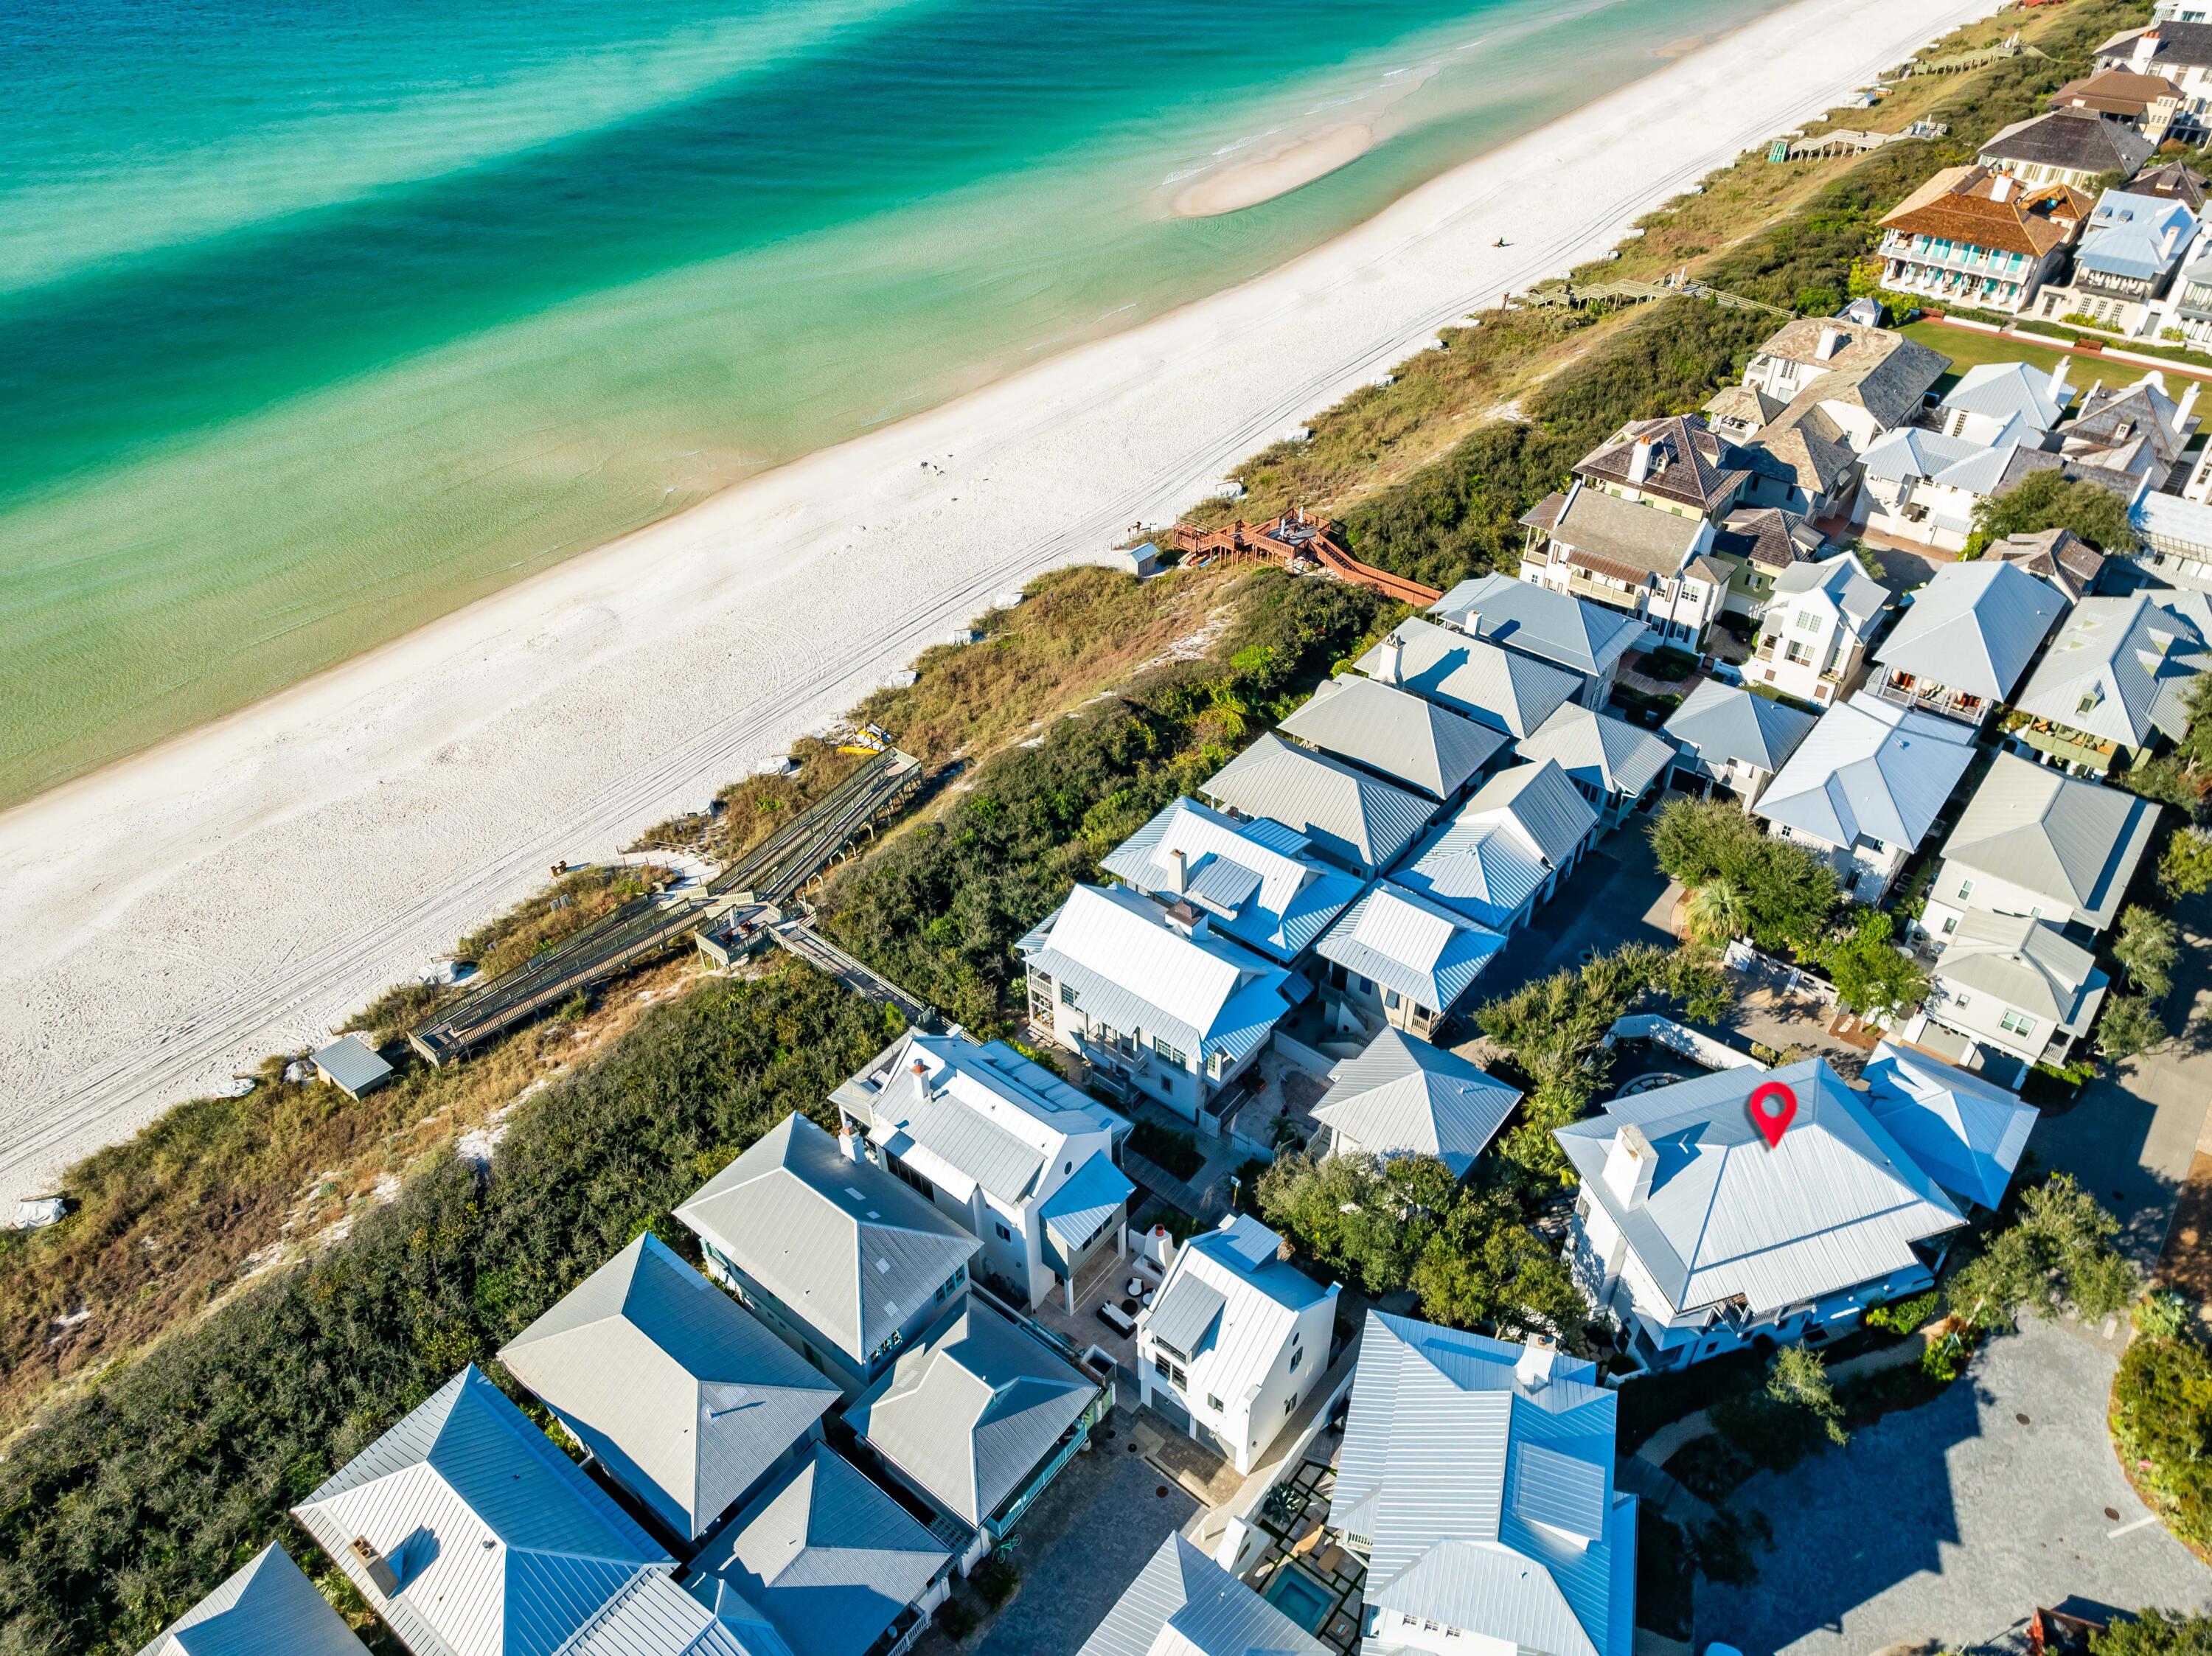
238 890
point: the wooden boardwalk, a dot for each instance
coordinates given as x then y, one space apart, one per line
1294 541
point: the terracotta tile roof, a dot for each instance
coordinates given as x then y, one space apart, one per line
1961 204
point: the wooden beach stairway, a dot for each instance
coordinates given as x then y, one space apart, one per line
1294 541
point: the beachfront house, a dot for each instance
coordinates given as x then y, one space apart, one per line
2033 841
2010 985
1356 820
2070 148
1614 764
464 1522
1867 381
1726 737
1973 235
847 1265
2175 49
267 1604
673 1388
1507 850
1156 1004
1183 1604
1476 1481
2148 103
1401 1096
1235 1336
1507 690
1585 639
1963 1130
1405 739
825 1562
2116 680
978 1420
1865 787
1400 961
1966 638
1025 1162
1260 882
1693 1237
2130 251
1818 623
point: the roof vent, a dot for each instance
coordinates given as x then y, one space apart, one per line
853 1192
883 1266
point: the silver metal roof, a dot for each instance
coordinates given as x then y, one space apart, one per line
653 1617
1185 1313
971 1412
1183 1604
827 1557
1721 722
1599 750
1584 638
1491 685
1394 732
1422 950
351 1063
2120 669
1133 969
1352 818
2034 827
1873 768
1521 825
2000 391
670 1383
1401 1094
1094 1196
1834 1203
842 1245
2024 962
1843 579
1974 627
1965 1131
502 1545
1259 880
266 1608
1480 1474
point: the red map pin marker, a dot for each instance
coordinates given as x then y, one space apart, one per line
1772 1107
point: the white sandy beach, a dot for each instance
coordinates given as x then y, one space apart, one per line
241 889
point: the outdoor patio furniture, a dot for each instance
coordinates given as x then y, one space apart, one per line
1331 1556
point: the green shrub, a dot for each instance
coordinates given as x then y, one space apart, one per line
1169 1149
996 1578
1904 1316
2162 1421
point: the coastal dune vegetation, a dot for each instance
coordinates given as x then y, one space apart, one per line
151 1458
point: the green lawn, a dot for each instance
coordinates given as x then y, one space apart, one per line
1968 348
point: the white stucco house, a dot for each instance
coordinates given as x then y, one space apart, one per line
1727 738
1817 629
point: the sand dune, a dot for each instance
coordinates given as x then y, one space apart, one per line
237 891
1233 188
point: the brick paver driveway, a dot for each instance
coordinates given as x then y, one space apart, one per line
1952 1521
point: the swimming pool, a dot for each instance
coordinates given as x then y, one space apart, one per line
1300 1597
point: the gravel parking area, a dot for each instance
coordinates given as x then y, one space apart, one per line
1952 1521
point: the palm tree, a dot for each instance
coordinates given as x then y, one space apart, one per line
1719 910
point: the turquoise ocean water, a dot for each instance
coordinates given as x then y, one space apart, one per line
321 318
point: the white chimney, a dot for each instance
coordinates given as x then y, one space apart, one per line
848 1144
2172 235
2000 186
2146 49
1178 871
1394 658
1639 459
2058 378
2181 412
1533 1372
1833 339
1629 1164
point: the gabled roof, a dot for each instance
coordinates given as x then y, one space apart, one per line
1909 454
2135 428
1540 803
1403 1095
2024 962
828 1558
2171 180
1961 204
1771 537
1183 1604
1230 1302
1974 627
266 1608
1967 1133
1351 817
1835 1203
1395 733
2072 140
1423 951
1480 1475
1132 968
670 1383
1690 462
501 1544
969 1414
2000 391
1625 540
2058 557
841 1244
1502 847
1745 404
1599 750
1843 579
1721 722
1502 689
2058 836
2139 236
1583 638
1259 880
2119 669
1870 768
2175 45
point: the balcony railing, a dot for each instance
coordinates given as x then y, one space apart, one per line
1978 260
